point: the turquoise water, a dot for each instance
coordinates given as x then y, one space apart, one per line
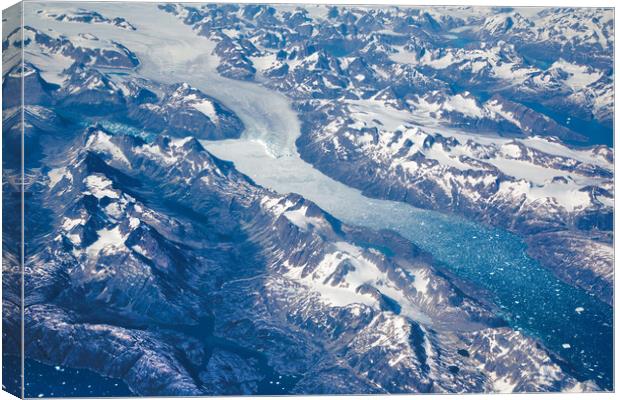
121 128
532 298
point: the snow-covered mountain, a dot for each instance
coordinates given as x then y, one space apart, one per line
89 17
151 260
213 254
454 111
542 58
527 185
53 53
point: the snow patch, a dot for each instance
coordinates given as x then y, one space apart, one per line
100 186
108 240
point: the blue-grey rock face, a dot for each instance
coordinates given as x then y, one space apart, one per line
181 111
150 260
